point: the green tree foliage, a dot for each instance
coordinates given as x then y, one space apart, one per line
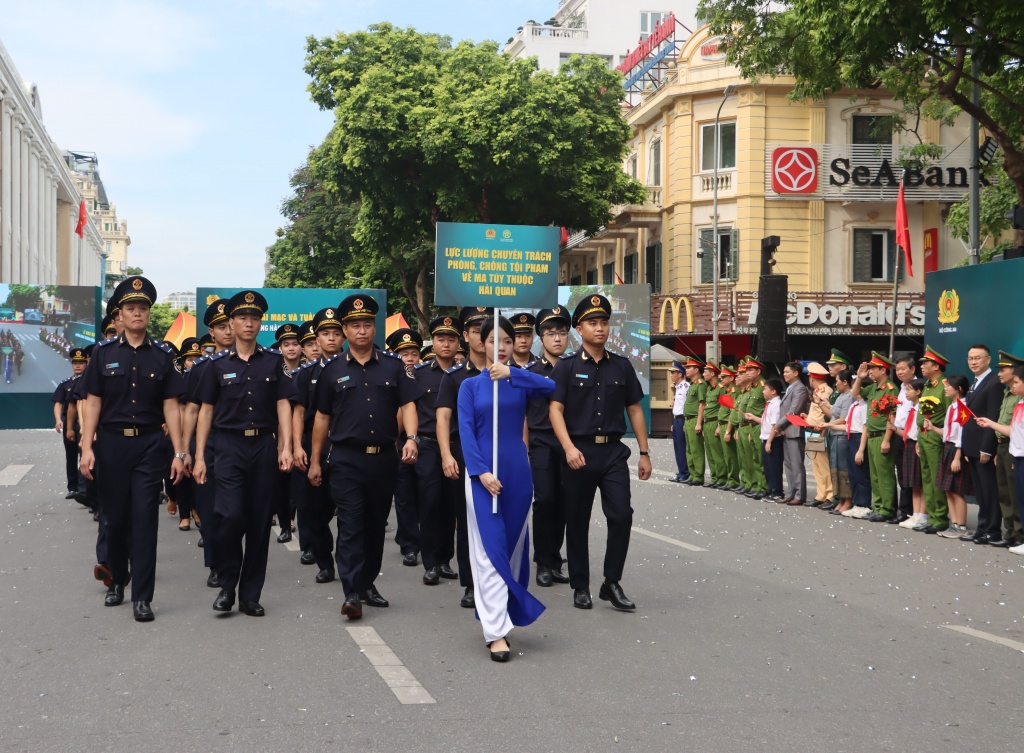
920 50
132 271
161 317
996 201
21 297
426 132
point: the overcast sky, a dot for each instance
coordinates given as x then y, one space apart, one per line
198 111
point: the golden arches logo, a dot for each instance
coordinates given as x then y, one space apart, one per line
676 304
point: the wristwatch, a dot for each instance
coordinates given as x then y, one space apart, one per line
644 453
414 438
180 455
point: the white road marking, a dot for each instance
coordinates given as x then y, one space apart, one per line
407 689
291 546
13 474
1015 645
33 356
667 540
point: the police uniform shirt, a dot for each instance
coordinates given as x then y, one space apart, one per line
428 376
448 393
595 393
132 382
306 378
62 395
193 377
363 400
244 394
76 390
538 414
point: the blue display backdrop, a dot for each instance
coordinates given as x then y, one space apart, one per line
291 306
503 266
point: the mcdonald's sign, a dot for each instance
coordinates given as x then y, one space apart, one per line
675 303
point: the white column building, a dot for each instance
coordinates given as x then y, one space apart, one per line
38 199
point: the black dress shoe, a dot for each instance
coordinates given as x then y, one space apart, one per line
431 576
225 601
115 595
372 597
877 518
813 503
974 538
544 579
70 495
558 576
284 537
934 529
468 599
200 543
307 558
251 608
96 518
581 599
352 608
613 592
142 611
410 559
695 482
324 576
212 581
828 506
999 542
758 496
446 571
501 656
102 573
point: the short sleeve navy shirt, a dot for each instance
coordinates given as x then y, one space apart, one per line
595 393
132 382
363 399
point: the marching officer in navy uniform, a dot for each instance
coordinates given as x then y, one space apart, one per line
287 337
358 397
453 463
221 337
593 389
546 456
314 506
133 390
245 401
435 492
69 433
522 347
300 434
406 343
107 328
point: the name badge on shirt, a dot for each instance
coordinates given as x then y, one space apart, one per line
230 376
343 379
113 365
583 376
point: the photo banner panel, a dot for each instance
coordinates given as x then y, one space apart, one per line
291 306
503 266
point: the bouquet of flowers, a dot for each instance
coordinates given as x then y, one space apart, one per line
884 406
928 405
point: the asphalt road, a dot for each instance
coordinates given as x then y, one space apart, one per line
43 368
789 630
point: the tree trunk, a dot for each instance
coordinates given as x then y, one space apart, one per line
421 303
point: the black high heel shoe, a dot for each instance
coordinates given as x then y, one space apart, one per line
501 656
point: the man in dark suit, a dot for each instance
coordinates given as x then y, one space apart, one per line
794 402
979 446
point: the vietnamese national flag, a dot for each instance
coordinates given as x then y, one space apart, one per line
796 420
83 218
903 230
726 400
963 413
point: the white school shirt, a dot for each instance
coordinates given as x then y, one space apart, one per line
1017 430
677 405
909 428
952 432
900 418
770 417
859 413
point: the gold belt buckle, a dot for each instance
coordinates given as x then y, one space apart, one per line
251 433
601 440
373 450
131 432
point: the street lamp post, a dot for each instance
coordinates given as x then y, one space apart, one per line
716 244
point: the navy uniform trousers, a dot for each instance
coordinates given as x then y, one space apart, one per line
362 485
205 494
407 509
246 476
455 490
440 501
546 461
314 510
607 470
130 474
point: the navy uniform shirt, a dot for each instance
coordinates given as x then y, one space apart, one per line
538 417
244 394
132 382
62 395
429 376
448 392
76 391
595 393
363 400
306 378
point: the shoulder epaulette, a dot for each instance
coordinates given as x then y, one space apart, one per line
531 363
275 351
454 368
199 361
164 348
421 364
109 340
565 356
327 361
389 354
68 379
217 356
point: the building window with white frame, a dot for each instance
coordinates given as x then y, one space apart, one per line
728 255
654 172
874 255
649 21
632 165
723 148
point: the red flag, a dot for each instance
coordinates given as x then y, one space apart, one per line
726 400
903 230
565 235
619 279
796 420
963 413
83 218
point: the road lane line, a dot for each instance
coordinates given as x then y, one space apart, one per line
667 540
291 546
13 474
1015 645
407 689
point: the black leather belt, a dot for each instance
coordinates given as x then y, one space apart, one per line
123 430
1000 439
368 449
248 432
599 438
876 434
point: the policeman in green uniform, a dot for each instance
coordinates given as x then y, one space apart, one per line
929 444
693 415
735 429
836 363
751 430
1012 531
712 440
873 383
730 460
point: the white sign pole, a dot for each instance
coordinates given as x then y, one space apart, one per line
494 451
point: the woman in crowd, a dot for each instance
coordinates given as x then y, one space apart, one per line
953 477
839 451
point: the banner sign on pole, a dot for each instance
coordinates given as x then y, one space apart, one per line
496 266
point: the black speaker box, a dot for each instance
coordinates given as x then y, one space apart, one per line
772 343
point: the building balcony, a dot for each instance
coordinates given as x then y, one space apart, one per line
644 215
556 32
704 184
